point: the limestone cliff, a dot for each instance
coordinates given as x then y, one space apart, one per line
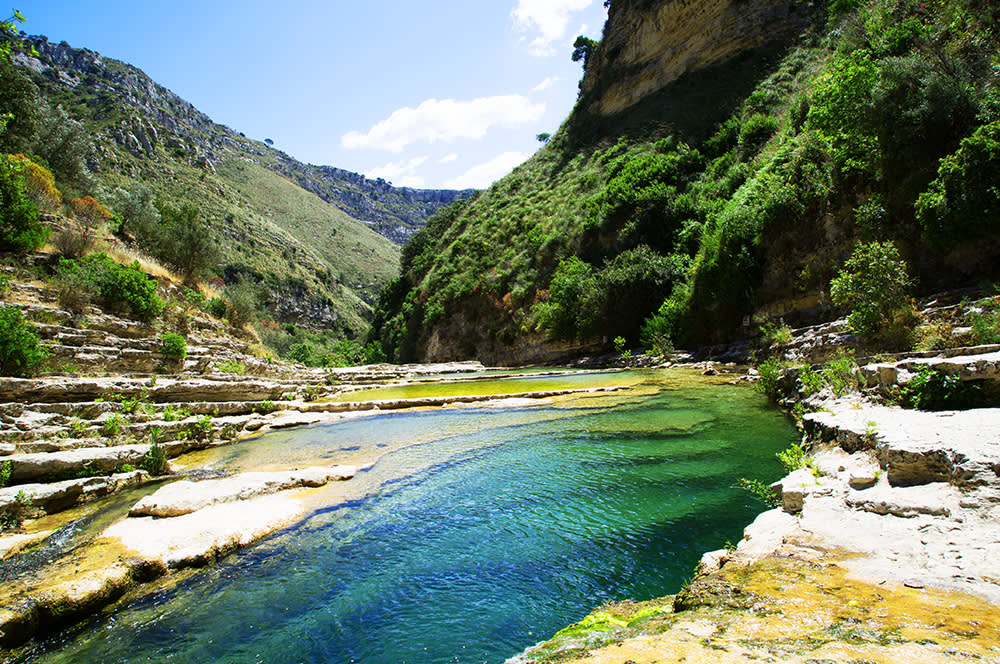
649 45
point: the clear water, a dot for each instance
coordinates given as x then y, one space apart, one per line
499 528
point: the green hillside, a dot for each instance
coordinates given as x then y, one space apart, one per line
880 122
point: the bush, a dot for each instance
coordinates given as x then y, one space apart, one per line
119 286
20 230
20 351
770 371
154 461
930 389
173 345
874 285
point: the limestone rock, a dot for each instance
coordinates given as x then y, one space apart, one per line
185 497
793 488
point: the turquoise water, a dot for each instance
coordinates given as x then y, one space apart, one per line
499 528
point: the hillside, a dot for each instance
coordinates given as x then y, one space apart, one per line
723 161
317 242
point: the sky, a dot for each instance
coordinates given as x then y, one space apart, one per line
436 94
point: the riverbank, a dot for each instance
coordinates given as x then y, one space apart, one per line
883 548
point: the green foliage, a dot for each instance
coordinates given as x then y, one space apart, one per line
770 371
4 473
619 343
776 334
123 287
20 351
963 203
232 366
200 430
303 352
154 461
20 229
986 327
184 241
760 490
113 425
874 284
243 304
173 345
930 389
793 457
175 413
18 108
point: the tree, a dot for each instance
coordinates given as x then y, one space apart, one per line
583 48
18 108
874 284
186 242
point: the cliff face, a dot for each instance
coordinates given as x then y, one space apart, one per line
649 45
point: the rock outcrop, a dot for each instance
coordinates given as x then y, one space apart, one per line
649 45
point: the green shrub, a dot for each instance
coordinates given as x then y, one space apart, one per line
303 352
793 458
173 345
760 490
124 287
215 307
20 229
232 366
986 327
770 371
154 461
4 473
930 389
113 425
20 351
874 285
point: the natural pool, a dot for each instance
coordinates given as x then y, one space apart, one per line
497 528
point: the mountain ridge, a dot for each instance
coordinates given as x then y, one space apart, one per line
395 212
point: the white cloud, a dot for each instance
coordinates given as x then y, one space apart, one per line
483 175
549 18
401 173
546 84
447 159
445 120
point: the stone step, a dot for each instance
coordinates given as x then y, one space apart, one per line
32 500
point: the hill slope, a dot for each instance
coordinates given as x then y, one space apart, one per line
318 241
704 184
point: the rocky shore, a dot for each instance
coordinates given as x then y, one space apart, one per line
884 546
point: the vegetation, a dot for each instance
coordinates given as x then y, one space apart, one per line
21 354
874 285
122 287
878 138
173 345
20 230
930 389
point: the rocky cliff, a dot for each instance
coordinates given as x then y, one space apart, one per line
649 45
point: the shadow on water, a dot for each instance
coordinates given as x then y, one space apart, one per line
499 528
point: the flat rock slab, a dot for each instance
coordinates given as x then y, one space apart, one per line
196 538
918 447
57 496
185 497
29 467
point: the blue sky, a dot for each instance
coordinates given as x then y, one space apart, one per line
444 93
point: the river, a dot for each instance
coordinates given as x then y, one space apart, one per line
478 532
